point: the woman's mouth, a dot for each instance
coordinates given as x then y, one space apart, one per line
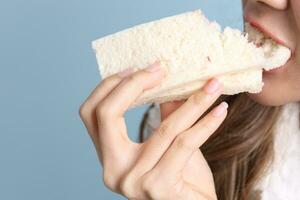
267 34
272 45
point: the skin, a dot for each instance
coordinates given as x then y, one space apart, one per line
147 170
282 19
176 168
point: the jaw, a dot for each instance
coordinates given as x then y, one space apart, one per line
280 87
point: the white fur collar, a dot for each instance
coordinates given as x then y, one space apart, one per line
282 181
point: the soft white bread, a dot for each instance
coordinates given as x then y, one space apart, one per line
250 81
191 50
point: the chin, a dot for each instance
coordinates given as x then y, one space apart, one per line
278 89
265 99
270 95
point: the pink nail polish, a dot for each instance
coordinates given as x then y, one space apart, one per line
220 109
212 86
125 72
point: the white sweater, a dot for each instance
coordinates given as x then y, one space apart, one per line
282 182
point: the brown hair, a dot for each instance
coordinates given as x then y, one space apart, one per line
241 150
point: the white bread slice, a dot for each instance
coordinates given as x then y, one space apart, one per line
234 83
191 49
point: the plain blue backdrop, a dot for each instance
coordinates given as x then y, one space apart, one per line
47 70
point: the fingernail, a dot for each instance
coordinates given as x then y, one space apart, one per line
220 109
212 86
125 72
154 67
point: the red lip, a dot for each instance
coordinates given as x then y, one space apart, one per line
264 30
272 36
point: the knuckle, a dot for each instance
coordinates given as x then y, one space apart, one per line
109 180
103 110
197 97
154 187
146 184
149 186
133 78
208 126
164 129
83 110
127 186
135 81
183 142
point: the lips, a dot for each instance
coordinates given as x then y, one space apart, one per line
261 37
274 49
267 34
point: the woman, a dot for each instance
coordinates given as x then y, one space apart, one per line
249 150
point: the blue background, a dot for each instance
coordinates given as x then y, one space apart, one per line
47 70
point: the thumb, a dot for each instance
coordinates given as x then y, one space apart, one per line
167 108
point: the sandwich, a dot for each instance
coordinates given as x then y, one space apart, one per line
191 49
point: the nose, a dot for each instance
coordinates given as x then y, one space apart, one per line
276 4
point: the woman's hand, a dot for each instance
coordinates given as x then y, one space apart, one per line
169 165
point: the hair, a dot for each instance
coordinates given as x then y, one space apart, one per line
241 150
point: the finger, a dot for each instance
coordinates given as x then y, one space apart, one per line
110 111
185 144
177 122
167 108
130 88
88 108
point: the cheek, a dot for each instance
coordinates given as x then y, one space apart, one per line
295 6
